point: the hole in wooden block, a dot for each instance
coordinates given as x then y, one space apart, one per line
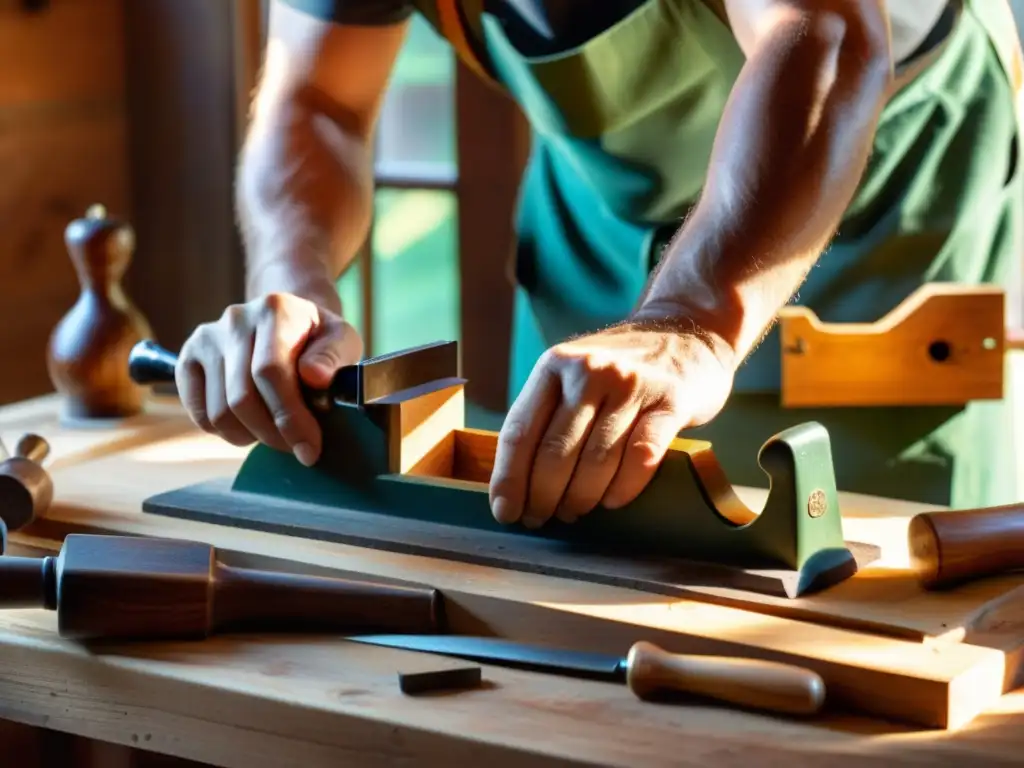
939 351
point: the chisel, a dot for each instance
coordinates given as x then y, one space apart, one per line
646 669
360 384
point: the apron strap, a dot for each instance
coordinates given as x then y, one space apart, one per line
996 16
717 7
455 28
459 31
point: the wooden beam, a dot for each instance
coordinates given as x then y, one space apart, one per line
183 112
492 143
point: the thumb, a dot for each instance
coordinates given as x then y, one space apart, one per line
336 345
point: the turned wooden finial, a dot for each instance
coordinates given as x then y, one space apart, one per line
26 488
88 351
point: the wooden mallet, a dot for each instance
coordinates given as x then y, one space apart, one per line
26 488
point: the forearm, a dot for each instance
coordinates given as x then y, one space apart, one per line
790 150
304 200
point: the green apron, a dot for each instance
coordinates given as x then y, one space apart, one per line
622 132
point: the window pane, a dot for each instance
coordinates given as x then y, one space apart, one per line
415 269
350 289
416 133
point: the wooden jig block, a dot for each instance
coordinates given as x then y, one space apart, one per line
26 488
944 345
87 355
133 588
401 472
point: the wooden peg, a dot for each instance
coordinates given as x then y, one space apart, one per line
87 356
950 548
126 587
26 488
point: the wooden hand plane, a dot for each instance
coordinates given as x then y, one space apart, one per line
400 471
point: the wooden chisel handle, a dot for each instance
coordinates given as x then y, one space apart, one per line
752 683
948 548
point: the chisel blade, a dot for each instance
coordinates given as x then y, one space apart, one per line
490 650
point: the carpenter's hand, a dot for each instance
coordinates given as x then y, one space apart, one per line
239 377
597 416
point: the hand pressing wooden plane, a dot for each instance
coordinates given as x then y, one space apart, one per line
26 488
400 472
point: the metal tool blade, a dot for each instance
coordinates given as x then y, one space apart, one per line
490 650
377 377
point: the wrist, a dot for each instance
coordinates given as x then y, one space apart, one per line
312 283
694 323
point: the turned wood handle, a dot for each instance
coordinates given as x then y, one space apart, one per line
32 447
948 548
767 685
246 600
149 363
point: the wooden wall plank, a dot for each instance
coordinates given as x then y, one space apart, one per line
183 142
62 147
70 51
493 145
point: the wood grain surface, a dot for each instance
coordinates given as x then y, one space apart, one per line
251 701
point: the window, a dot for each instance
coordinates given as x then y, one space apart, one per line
449 155
403 289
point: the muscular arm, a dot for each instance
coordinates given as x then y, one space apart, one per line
791 147
305 180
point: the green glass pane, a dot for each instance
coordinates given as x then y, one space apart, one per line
350 289
415 269
416 132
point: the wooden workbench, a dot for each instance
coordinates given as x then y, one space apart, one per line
253 702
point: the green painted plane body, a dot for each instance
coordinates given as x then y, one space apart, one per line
799 528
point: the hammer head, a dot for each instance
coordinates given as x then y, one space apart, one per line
26 488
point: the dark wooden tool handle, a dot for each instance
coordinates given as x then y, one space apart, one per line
752 683
32 447
149 363
251 600
28 582
948 548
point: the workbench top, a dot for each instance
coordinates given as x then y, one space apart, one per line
311 701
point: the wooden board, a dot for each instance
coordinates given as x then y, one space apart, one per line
215 502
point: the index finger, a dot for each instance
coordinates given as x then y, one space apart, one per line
275 372
518 439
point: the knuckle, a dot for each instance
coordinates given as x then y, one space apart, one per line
513 434
199 417
198 345
554 447
273 304
242 398
270 370
288 423
645 451
597 452
234 317
220 418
